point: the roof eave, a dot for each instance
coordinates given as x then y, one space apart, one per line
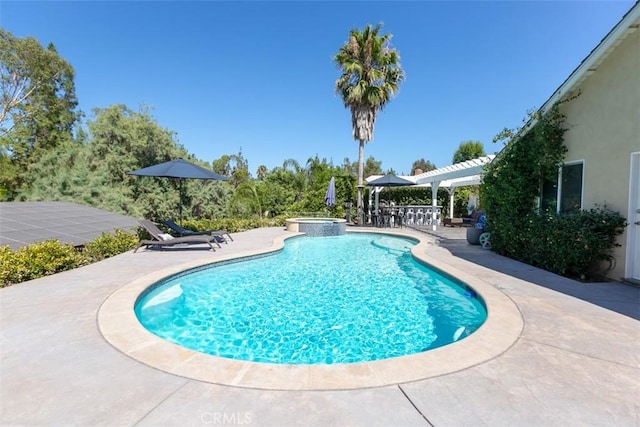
629 23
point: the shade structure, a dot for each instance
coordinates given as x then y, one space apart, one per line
452 176
179 169
390 180
330 195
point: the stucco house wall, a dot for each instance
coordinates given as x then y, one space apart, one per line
604 129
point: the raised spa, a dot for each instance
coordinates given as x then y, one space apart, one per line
316 227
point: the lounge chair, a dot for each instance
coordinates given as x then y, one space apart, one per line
186 232
161 239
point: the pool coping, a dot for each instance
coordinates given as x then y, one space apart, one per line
120 327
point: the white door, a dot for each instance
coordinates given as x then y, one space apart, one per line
633 247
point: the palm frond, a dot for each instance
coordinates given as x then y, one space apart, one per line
371 70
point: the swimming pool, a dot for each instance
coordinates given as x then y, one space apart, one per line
121 329
330 300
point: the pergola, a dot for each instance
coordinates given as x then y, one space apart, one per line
450 177
453 176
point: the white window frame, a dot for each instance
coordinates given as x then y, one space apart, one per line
559 196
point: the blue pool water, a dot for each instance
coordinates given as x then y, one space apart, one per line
321 300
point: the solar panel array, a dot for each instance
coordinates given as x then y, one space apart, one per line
23 223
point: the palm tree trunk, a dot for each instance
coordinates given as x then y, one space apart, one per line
360 182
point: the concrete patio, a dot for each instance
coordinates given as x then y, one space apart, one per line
576 362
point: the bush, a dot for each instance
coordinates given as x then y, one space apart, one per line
7 266
49 257
232 225
577 245
108 245
37 260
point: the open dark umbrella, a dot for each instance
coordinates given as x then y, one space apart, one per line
330 195
389 180
180 169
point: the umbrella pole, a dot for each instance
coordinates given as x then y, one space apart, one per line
180 191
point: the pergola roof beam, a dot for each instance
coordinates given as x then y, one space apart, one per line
455 171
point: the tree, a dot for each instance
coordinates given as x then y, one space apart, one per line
282 190
350 168
92 170
37 105
248 199
298 177
371 76
372 167
423 165
235 166
26 68
261 172
468 150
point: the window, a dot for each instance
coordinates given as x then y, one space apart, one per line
570 191
563 194
549 200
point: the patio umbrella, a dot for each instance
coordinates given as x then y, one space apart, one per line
180 169
389 180
330 195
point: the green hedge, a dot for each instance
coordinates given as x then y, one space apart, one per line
232 225
51 256
108 245
577 245
37 260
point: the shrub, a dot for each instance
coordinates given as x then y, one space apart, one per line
110 244
37 260
49 257
577 245
8 263
574 245
232 225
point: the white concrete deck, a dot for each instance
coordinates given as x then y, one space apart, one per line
575 361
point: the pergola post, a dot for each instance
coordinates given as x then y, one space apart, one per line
434 203
452 192
369 206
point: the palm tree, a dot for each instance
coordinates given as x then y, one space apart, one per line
262 172
371 75
299 177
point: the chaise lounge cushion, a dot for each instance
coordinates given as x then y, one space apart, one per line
158 240
221 235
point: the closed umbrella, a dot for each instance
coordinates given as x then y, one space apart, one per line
180 169
330 195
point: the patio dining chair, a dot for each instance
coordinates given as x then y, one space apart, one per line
420 217
410 215
400 218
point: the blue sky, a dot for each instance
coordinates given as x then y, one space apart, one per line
259 76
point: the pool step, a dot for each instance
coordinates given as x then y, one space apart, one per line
165 296
393 245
